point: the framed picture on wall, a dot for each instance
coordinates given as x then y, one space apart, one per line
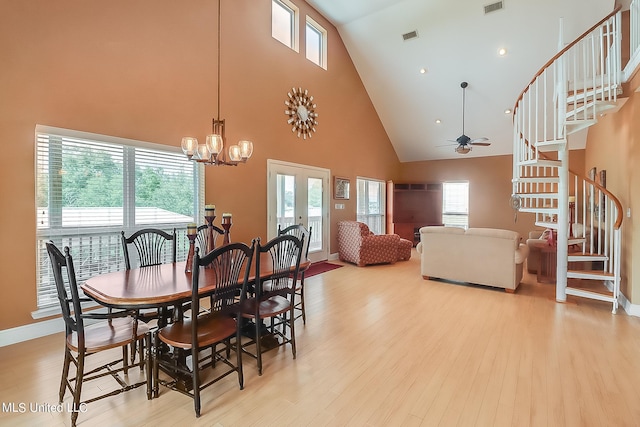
340 188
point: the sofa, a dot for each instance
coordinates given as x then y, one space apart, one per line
484 256
358 245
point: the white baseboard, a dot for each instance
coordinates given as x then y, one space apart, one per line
630 309
333 257
31 331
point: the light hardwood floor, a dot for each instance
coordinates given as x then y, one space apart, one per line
383 347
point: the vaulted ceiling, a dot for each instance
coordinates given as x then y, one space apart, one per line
456 42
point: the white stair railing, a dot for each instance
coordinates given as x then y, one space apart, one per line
566 95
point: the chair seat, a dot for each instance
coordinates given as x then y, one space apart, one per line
273 306
212 328
109 334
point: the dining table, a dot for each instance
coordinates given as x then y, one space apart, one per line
162 286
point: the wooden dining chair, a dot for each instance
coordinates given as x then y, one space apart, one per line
202 238
150 245
300 232
150 249
113 330
230 266
273 296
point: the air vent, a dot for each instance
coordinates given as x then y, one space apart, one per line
493 7
410 35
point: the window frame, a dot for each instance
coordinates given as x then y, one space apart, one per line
381 217
105 239
459 214
294 23
319 29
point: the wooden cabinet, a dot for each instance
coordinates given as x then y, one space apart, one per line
411 206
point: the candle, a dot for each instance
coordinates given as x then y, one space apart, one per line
192 228
226 215
572 199
209 207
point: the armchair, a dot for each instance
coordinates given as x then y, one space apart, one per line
357 244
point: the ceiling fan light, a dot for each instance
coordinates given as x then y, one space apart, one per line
463 149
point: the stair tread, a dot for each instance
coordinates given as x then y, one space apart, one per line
575 241
553 225
537 179
604 291
539 210
588 256
541 163
541 193
592 273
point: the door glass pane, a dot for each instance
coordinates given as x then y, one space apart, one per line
285 200
314 212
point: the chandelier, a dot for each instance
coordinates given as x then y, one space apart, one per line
212 151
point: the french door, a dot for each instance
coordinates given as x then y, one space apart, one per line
299 194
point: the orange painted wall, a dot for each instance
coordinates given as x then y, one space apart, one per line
613 145
146 70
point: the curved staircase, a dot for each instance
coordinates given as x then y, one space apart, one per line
569 93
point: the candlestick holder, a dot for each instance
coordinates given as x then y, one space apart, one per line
226 225
188 267
211 239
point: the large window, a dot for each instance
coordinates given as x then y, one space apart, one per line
284 23
316 43
455 204
371 204
91 187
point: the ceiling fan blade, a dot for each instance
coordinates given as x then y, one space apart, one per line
481 144
477 140
447 145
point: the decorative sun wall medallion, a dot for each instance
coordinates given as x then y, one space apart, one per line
301 112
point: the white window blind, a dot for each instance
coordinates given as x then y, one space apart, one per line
455 204
371 204
91 187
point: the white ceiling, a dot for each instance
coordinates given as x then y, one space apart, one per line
457 42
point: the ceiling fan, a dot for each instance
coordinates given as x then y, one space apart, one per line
464 143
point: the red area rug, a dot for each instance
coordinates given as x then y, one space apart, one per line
320 267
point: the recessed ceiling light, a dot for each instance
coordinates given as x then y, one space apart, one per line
438 121
423 71
502 51
507 111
